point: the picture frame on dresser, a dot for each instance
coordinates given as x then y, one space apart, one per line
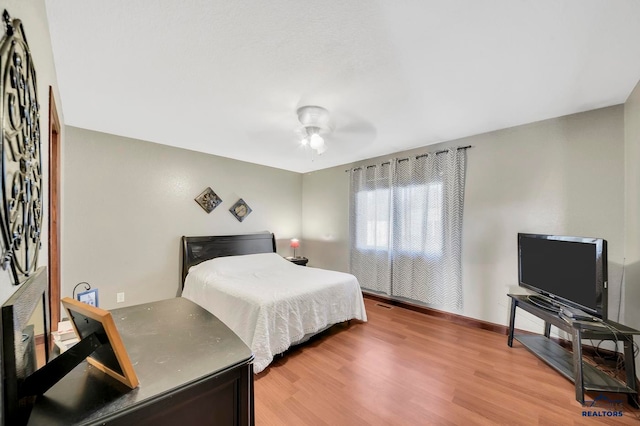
111 357
100 344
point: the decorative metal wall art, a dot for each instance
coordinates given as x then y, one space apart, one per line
208 200
21 180
240 210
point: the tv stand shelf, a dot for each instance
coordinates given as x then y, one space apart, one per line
586 377
562 360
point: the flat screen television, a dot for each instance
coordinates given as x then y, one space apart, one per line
569 270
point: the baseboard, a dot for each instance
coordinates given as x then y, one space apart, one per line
455 318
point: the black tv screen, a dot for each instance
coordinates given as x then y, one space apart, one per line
570 270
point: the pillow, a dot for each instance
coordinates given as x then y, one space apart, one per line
241 264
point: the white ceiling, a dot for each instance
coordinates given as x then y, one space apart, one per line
225 77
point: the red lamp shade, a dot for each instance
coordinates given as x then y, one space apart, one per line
295 243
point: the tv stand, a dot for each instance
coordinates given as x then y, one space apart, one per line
586 377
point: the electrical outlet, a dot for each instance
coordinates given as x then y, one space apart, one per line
119 297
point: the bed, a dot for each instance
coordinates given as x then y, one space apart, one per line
269 302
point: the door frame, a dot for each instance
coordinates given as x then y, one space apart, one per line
54 213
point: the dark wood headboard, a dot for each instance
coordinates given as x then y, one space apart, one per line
199 249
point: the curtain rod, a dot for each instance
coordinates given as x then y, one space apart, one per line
417 156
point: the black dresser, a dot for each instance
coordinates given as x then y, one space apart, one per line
193 370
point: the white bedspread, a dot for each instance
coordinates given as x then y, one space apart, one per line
270 302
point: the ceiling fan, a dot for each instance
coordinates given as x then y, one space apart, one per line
316 130
315 125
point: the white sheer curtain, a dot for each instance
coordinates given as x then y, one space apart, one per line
412 226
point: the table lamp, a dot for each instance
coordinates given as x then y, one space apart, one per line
295 243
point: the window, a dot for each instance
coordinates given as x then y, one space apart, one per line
405 222
372 227
417 223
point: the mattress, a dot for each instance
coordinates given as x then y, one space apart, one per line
271 303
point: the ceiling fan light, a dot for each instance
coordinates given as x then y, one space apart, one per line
321 149
304 141
316 141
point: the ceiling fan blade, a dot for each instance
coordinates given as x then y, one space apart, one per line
356 127
353 138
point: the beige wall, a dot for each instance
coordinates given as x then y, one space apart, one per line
559 176
325 219
632 209
127 203
34 20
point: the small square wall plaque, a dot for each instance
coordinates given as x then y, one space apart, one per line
208 200
240 210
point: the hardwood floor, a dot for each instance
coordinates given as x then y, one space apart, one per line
407 368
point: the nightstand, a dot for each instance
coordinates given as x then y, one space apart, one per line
302 261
